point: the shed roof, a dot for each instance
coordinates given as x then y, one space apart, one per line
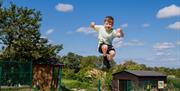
143 73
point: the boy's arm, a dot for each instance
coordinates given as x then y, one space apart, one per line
93 25
119 33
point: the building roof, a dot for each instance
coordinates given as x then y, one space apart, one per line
143 73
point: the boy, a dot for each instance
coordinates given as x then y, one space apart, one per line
105 38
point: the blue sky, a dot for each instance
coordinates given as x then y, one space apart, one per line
151 27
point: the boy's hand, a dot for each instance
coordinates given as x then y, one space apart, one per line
92 25
119 32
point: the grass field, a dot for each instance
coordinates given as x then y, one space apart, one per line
75 85
17 89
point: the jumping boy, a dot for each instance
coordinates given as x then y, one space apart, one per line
106 34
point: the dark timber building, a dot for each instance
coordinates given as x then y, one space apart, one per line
138 80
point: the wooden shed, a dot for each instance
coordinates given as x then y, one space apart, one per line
46 73
144 80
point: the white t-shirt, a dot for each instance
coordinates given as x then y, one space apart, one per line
105 36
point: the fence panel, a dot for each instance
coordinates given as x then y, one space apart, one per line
15 73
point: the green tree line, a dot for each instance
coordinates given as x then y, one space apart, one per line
88 69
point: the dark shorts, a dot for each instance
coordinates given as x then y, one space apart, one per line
110 47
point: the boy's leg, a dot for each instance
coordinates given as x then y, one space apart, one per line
108 54
104 49
109 58
111 55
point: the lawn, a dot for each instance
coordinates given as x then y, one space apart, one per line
77 85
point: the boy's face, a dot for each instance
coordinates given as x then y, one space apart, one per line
108 25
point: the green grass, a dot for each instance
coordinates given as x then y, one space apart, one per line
22 89
67 85
71 85
75 84
16 89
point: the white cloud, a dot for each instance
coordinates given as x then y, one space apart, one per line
178 43
50 31
162 53
168 11
167 61
86 30
64 7
146 25
175 26
134 43
173 59
124 25
164 45
117 42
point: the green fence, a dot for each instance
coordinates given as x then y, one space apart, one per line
15 73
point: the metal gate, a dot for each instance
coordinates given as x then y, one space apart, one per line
15 73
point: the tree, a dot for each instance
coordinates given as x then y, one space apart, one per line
72 61
20 36
90 61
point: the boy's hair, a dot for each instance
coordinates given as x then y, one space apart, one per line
109 19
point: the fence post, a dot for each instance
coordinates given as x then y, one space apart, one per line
99 85
0 76
60 74
30 74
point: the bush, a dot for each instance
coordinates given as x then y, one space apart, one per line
173 83
75 84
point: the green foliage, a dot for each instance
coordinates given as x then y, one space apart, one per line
68 73
128 65
72 61
173 83
168 71
92 63
82 75
20 36
75 84
108 80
